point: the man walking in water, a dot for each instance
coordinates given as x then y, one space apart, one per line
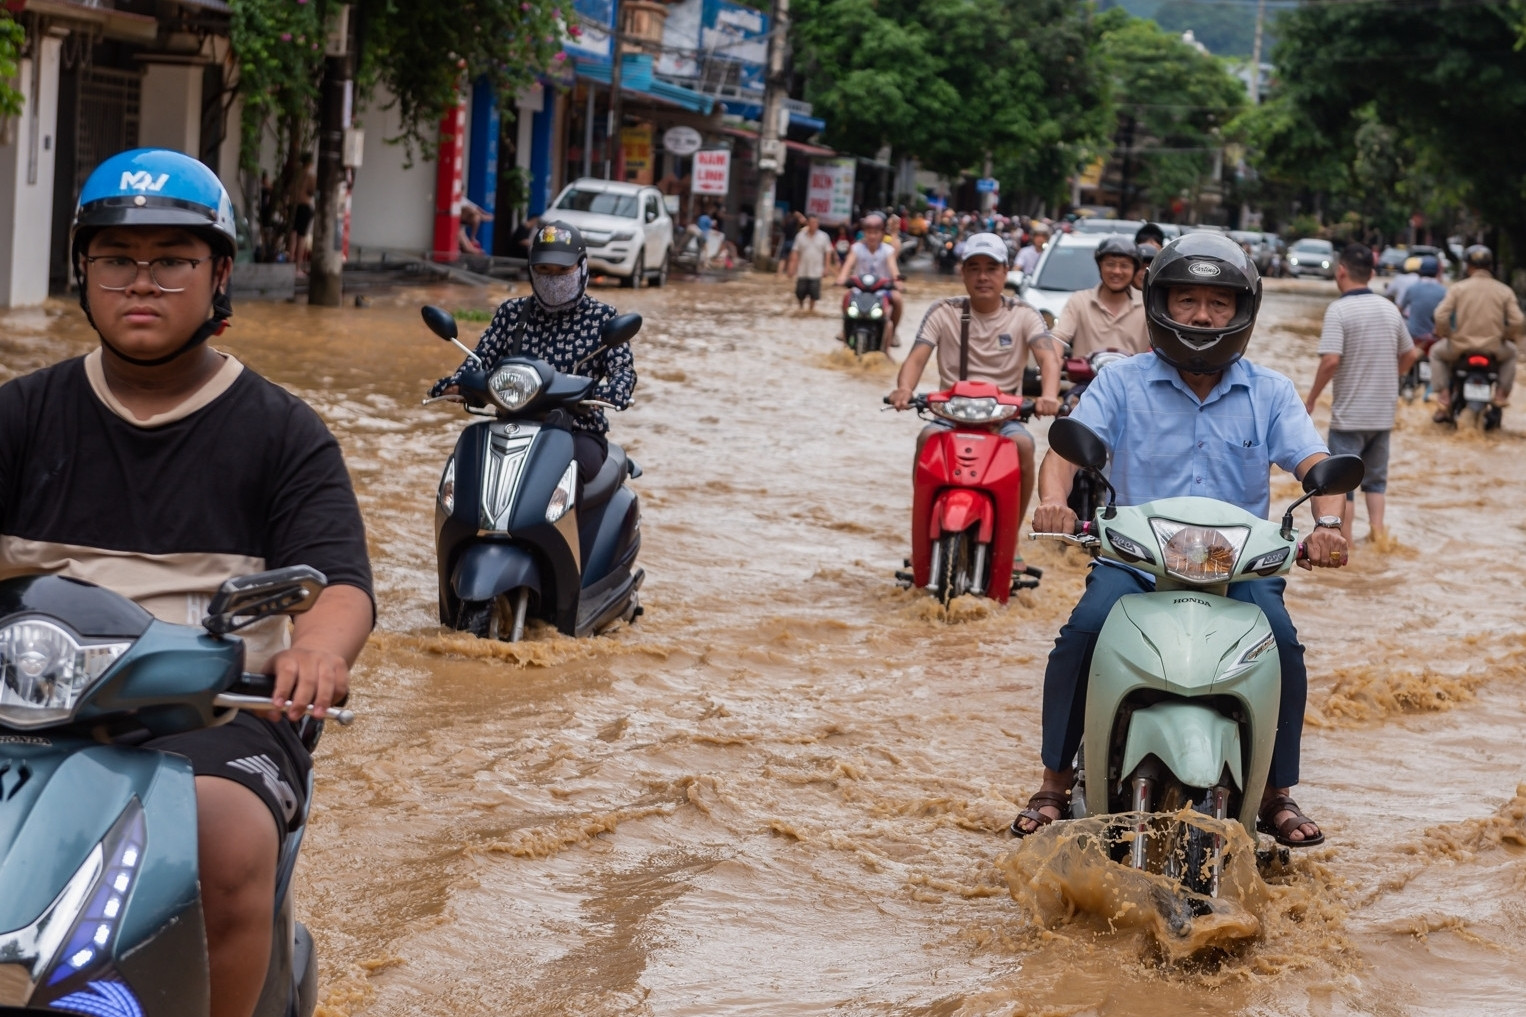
808 261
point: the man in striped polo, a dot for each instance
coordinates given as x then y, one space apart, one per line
1364 348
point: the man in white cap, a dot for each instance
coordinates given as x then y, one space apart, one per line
985 336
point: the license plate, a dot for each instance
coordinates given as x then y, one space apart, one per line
1425 370
1474 392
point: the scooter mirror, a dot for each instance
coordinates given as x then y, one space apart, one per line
620 329
440 322
1334 475
1077 443
244 600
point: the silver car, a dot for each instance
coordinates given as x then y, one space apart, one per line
1312 257
1068 264
626 227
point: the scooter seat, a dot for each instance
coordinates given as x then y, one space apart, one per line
598 490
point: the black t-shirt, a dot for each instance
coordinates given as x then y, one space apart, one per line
241 478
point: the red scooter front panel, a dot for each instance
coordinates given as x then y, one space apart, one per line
962 478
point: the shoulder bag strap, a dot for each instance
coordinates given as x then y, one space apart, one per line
516 343
964 339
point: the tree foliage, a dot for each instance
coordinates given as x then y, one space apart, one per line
12 38
1173 103
954 82
1448 79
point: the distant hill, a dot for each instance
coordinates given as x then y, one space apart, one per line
1226 27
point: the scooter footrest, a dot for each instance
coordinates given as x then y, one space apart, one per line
1024 583
904 578
1034 571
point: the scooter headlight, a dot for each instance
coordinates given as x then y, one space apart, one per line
44 670
512 386
565 495
448 486
1200 554
853 310
876 311
967 410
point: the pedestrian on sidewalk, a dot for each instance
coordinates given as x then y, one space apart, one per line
1364 347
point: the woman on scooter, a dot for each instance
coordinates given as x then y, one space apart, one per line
1189 418
159 467
561 324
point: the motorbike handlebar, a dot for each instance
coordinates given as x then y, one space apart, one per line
253 692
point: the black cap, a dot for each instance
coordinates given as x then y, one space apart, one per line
556 243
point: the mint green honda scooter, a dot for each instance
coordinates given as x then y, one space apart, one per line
1181 703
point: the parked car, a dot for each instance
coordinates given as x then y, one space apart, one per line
1261 252
626 226
1068 264
1391 261
1312 257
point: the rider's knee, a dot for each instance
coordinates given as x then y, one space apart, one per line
238 846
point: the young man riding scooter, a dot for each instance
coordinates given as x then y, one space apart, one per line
985 337
1190 418
159 467
561 324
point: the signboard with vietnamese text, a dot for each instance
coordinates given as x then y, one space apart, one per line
712 171
830 197
636 148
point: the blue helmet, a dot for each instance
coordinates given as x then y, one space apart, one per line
156 187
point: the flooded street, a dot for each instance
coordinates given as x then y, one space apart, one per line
784 790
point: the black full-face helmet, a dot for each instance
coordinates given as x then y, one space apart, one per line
1201 259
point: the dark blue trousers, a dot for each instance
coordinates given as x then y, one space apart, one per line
1071 660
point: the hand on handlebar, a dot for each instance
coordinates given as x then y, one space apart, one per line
901 398
1324 548
1044 407
1054 519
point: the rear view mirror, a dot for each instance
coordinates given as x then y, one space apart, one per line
1076 443
621 329
440 322
244 600
1334 475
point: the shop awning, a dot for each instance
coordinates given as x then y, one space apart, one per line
815 151
754 111
636 79
113 24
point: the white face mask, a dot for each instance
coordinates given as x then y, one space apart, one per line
559 292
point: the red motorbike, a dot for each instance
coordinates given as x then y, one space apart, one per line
966 491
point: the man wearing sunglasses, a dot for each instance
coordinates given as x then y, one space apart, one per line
160 467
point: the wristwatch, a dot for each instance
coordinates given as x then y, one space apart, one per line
1329 522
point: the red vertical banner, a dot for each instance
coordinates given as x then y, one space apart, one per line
447 203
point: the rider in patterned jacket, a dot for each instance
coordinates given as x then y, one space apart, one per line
561 325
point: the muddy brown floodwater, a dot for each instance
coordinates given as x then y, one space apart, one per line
783 790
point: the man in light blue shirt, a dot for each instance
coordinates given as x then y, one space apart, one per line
1188 418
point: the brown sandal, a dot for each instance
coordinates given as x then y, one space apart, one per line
1283 803
1059 800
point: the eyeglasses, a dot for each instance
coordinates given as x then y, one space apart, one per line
117 272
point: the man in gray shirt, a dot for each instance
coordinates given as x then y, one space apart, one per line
809 259
1364 347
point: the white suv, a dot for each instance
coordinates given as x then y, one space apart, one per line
626 227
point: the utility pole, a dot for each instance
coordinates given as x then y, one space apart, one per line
616 112
1255 55
770 148
326 270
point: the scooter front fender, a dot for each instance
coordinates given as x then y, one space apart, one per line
959 508
486 569
1194 741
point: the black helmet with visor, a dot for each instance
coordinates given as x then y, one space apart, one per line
1201 259
1117 245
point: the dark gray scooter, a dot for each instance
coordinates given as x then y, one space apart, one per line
516 535
100 903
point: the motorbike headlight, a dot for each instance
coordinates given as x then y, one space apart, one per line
853 310
1199 554
877 311
967 410
512 386
448 486
44 670
565 494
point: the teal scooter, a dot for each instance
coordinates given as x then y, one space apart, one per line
100 903
1182 697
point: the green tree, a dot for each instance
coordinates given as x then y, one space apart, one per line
955 82
1449 79
1173 103
12 39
